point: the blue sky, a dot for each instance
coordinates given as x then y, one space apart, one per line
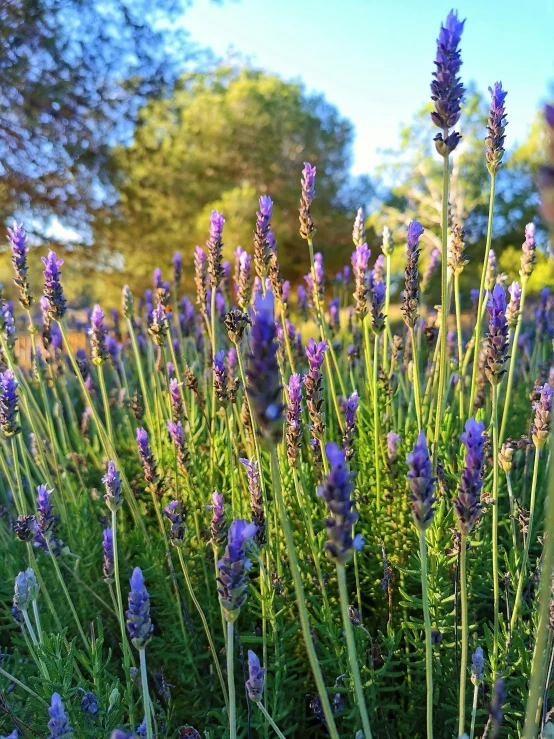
373 59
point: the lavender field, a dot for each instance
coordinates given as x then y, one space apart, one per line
259 510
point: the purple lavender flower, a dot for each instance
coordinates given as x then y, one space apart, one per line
174 512
334 316
496 128
286 291
233 381
157 278
256 500
377 293
319 276
178 438
410 297
293 415
97 333
541 423
513 307
528 252
467 504
255 682
262 371
147 460
215 247
175 397
139 625
337 492
13 735
379 269
158 327
302 301
89 704
446 88
314 397
360 261
421 483
393 440
112 481
358 232
217 525
46 524
9 404
59 720
53 291
350 411
243 277
477 667
200 278
16 236
177 269
107 546
220 377
26 590
497 337
308 194
233 566
262 243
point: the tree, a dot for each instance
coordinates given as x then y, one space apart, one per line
223 139
73 74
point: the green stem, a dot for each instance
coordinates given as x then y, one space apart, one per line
127 657
351 646
145 694
496 584
67 596
417 387
474 711
428 645
270 720
300 597
477 332
463 659
460 347
105 401
14 680
231 680
376 424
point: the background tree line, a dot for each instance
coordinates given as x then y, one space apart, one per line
118 136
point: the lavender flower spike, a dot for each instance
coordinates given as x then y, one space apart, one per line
393 440
9 404
200 278
178 438
53 291
446 88
337 492
59 720
410 297
139 625
147 459
496 128
421 483
467 504
262 372
220 377
97 333
112 481
360 261
174 512
256 500
314 397
107 546
307 228
350 411
377 292
46 524
293 415
16 236
217 526
543 410
233 566
358 232
255 682
263 237
528 252
513 307
215 247
497 337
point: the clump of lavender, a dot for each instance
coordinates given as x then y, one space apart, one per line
496 128
293 416
541 422
46 527
9 404
410 296
360 261
139 625
255 682
58 725
497 337
53 291
350 411
528 252
262 249
314 397
112 482
220 377
200 278
421 483
217 525
467 504
233 567
446 88
215 248
337 493
178 438
107 548
147 461
256 500
97 333
16 236
174 512
307 227
262 372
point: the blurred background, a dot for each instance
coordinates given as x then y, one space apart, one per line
124 122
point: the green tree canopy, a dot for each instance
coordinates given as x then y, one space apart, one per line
223 139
